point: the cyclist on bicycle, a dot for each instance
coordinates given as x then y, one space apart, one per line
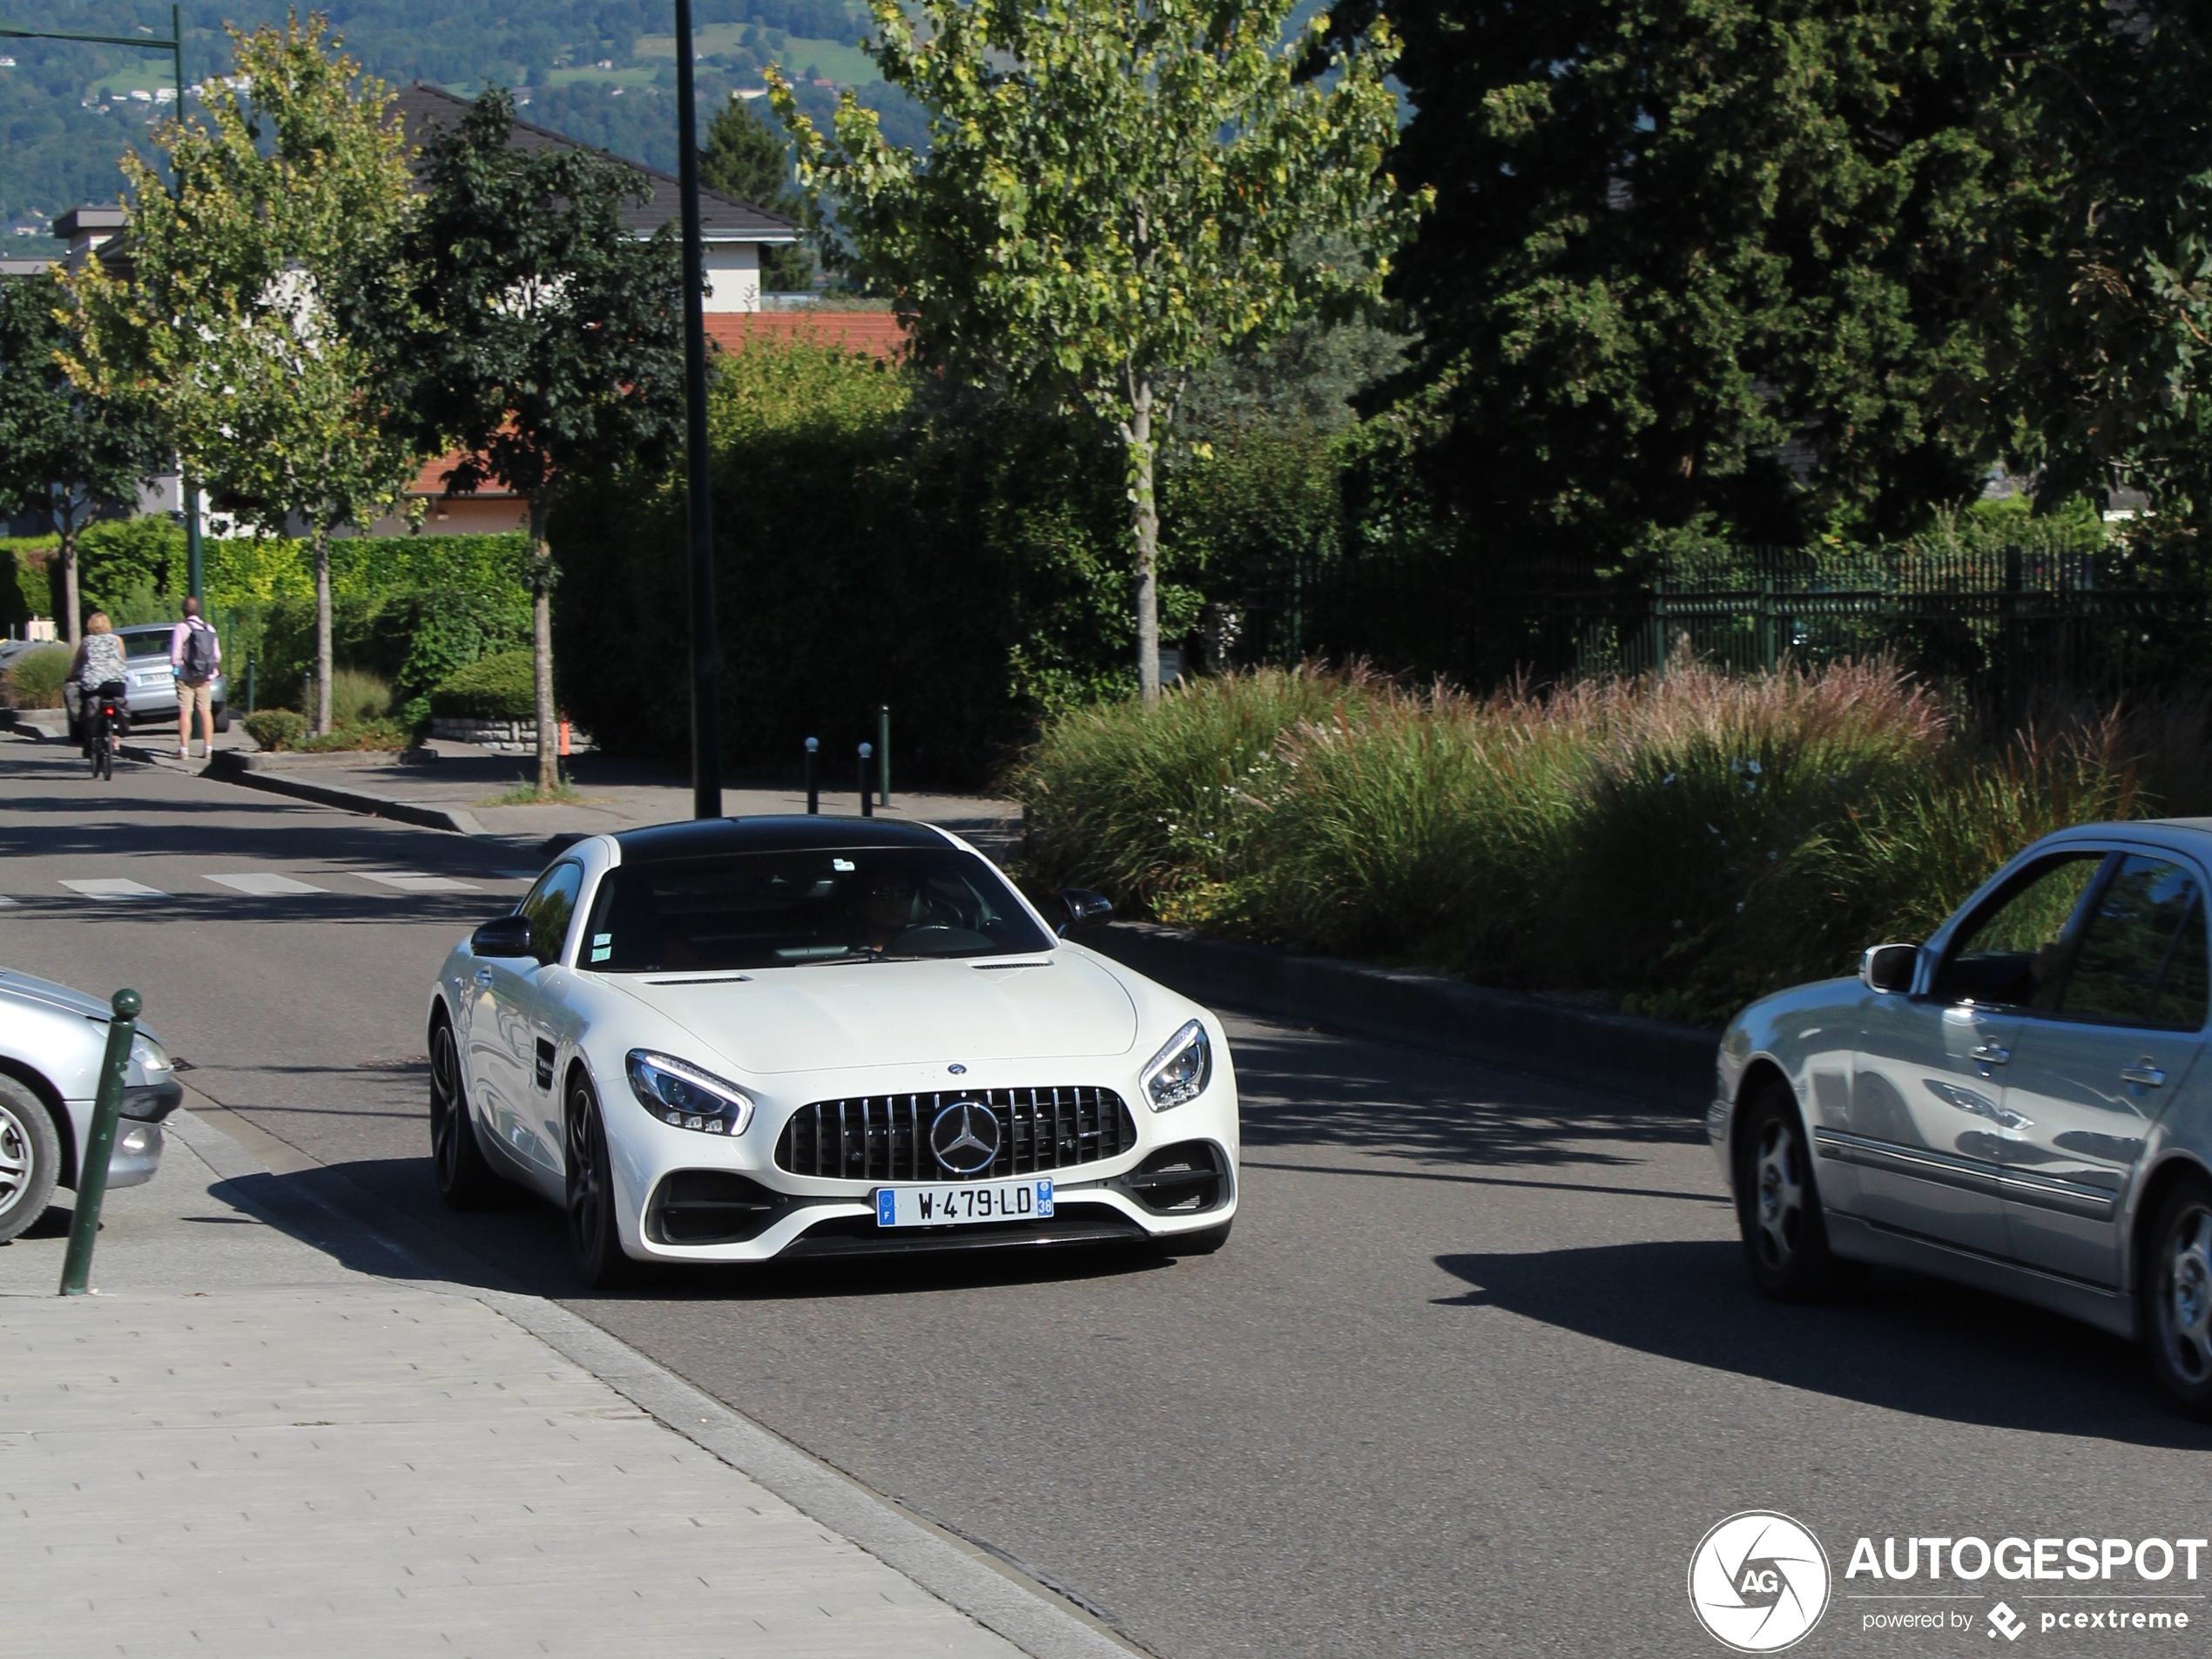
100 663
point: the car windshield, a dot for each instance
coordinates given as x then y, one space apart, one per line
152 642
741 910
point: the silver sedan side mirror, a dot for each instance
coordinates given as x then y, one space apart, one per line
1889 968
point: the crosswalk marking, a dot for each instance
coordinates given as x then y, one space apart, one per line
517 875
407 882
114 886
5 900
263 884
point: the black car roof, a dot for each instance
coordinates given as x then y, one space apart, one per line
791 833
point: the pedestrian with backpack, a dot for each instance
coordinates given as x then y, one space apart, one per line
195 653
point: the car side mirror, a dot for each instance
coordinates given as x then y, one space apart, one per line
1080 904
1889 968
503 936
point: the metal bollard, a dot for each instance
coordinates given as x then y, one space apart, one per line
99 1144
883 752
249 685
813 790
867 801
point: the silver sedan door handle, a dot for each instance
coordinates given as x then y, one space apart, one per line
2146 1076
1990 1054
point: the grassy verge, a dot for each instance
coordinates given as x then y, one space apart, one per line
1682 843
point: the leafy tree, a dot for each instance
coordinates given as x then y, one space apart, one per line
522 325
1115 196
61 450
224 316
744 157
1700 262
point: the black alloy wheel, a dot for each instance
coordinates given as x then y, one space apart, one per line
464 1175
1778 1205
595 1241
2176 1283
30 1157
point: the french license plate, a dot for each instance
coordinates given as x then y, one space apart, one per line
958 1206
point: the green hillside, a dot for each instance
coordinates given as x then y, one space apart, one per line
595 71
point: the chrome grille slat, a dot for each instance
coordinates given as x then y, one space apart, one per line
886 1137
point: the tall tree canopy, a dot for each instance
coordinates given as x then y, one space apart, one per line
1116 194
519 322
746 158
1717 262
62 452
222 313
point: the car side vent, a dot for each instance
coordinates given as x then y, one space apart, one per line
1183 1179
709 1207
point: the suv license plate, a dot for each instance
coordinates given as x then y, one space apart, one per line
958 1206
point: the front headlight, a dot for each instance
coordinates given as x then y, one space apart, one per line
686 1096
1180 1071
149 1056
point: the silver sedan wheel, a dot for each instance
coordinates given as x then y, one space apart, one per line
2185 1296
16 1157
1778 1194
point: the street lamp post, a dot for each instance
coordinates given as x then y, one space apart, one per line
706 658
174 45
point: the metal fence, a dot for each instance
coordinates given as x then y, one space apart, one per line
1999 620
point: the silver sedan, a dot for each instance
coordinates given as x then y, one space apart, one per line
51 1041
2016 1104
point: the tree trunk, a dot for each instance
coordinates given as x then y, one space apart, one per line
72 601
322 627
1145 521
549 750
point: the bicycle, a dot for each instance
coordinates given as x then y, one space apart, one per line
107 715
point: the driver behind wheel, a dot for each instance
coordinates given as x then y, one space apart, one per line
887 906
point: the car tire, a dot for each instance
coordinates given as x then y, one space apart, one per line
2176 1292
30 1157
595 1238
465 1177
1777 1203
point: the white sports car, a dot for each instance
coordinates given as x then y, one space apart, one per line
743 1038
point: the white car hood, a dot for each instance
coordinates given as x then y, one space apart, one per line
878 1013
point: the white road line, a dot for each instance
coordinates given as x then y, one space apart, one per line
115 886
409 883
518 875
264 884
5 900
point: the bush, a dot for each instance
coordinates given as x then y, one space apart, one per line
275 729
34 679
1684 842
357 698
364 735
503 687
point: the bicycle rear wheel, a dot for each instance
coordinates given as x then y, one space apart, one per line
104 753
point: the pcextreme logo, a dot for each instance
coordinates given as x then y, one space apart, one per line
1758 1582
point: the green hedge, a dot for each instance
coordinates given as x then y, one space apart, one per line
503 687
34 679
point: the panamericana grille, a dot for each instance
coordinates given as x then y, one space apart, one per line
886 1137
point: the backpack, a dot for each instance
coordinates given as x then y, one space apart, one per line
200 653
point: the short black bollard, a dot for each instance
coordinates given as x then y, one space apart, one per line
813 789
867 801
99 1144
883 752
249 685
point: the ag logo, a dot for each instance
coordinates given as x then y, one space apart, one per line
1758 1583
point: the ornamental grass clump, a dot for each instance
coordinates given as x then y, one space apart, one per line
1681 843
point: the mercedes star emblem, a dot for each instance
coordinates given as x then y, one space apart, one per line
965 1138
957 1071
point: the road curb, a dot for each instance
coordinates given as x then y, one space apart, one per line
451 819
1647 1058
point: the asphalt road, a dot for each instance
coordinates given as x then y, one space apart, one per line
1478 1370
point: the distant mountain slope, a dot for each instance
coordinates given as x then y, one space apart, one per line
596 70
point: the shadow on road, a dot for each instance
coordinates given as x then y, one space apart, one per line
1316 1090
1906 1344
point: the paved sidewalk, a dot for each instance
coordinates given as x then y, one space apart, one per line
242 1447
